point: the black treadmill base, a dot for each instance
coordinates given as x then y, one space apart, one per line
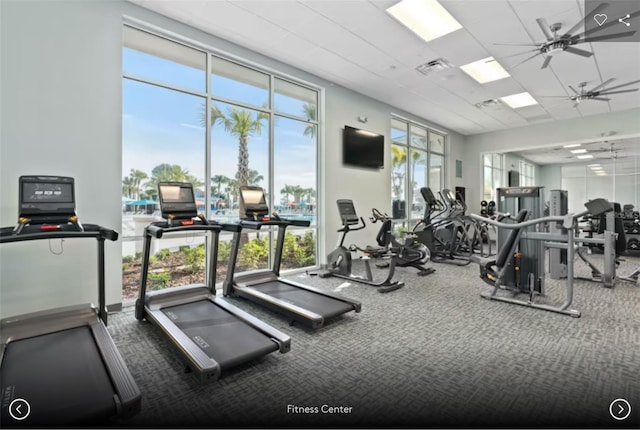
222 336
62 377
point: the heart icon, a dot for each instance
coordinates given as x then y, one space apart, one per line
600 18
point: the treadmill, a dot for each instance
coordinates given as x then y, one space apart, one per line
60 366
211 334
301 303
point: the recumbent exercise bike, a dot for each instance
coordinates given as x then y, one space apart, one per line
339 261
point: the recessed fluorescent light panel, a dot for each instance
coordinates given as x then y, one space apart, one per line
593 165
578 151
485 70
573 145
584 157
426 18
519 100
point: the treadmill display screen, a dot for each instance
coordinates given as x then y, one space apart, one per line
254 201
176 194
43 192
253 197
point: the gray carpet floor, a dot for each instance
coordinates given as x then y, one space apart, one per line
432 354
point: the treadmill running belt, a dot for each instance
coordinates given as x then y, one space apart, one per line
322 305
221 335
62 377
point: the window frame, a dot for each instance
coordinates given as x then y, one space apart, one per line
493 157
210 52
408 193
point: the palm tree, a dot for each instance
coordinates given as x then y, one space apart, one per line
254 178
297 192
217 181
169 172
398 159
137 176
242 123
416 158
127 187
287 191
310 111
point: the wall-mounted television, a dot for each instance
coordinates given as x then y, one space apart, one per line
362 148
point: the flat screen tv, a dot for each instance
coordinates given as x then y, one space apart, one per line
362 148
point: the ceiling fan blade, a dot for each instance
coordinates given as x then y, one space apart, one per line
604 84
577 51
606 37
580 23
606 93
546 62
517 44
544 25
600 99
621 85
519 53
524 61
574 90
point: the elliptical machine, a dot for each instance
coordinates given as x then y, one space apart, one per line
407 254
339 261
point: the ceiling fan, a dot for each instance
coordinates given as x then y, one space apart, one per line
595 93
558 42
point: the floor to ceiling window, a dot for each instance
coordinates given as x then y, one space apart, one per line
417 160
527 173
492 175
234 125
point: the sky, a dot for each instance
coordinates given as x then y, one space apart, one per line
166 126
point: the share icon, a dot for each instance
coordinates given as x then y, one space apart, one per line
622 20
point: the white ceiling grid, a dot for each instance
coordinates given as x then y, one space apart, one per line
356 44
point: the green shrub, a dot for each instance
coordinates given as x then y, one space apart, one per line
224 252
159 280
298 251
163 254
152 259
184 248
138 255
253 255
194 258
127 259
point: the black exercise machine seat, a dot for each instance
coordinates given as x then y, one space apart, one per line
490 267
211 334
301 303
63 361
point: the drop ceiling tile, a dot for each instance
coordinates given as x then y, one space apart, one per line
459 48
367 50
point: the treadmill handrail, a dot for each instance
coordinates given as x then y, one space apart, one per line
157 229
96 231
65 232
257 225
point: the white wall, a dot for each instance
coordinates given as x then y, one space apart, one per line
61 114
578 130
550 177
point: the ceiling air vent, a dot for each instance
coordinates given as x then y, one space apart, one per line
488 103
433 66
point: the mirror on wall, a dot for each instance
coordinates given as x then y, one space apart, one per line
604 168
